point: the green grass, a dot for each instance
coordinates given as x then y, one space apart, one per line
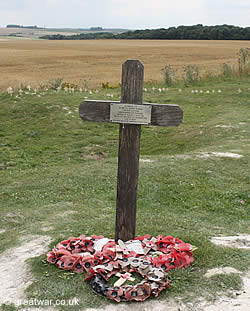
46 181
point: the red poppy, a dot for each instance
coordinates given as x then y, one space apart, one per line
78 266
115 293
91 273
185 259
165 244
63 244
51 257
109 244
76 250
60 263
68 261
139 293
98 255
143 291
72 241
87 261
82 237
183 246
96 237
167 261
157 261
150 244
86 245
102 272
61 252
108 254
141 238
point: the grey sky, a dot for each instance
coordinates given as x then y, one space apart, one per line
133 14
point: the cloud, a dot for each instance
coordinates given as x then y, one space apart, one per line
124 13
228 12
157 13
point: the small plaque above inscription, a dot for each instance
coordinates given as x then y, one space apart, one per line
130 114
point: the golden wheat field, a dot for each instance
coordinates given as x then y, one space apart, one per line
91 62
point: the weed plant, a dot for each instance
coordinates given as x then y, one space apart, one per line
227 70
169 75
55 83
243 62
192 76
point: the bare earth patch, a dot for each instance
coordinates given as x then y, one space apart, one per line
183 156
67 213
224 270
47 228
143 306
238 241
221 154
15 276
225 126
241 302
146 160
94 156
39 309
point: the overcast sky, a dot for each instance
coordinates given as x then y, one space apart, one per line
132 14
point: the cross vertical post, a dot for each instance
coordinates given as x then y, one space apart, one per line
129 152
130 112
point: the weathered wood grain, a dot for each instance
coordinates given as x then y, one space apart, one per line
129 142
128 155
162 114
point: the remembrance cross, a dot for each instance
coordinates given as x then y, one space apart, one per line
130 113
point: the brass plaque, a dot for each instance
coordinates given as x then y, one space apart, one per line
130 114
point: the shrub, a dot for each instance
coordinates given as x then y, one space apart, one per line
191 75
243 61
56 83
169 75
227 70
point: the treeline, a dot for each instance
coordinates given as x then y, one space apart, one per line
196 32
82 36
20 26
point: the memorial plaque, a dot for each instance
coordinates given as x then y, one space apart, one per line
130 114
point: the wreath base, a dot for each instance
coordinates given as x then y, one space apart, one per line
101 258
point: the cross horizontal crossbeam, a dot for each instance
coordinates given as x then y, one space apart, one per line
161 114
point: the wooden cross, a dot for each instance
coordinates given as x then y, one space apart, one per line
130 113
123 278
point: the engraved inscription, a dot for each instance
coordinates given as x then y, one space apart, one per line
131 114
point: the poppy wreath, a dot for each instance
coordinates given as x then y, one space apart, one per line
101 258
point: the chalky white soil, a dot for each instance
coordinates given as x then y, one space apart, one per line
221 154
238 241
15 275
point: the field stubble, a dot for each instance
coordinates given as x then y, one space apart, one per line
36 62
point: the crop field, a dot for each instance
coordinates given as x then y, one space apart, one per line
90 63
